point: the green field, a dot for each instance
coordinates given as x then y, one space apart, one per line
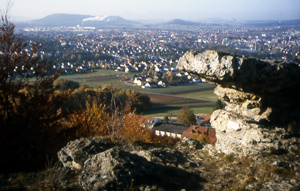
198 96
208 95
175 111
99 78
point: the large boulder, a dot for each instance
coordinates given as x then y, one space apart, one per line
104 166
113 169
76 152
262 111
117 169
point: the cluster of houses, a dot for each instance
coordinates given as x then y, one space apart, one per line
158 81
158 66
72 68
134 50
180 131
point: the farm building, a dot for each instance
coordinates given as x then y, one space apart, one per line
171 130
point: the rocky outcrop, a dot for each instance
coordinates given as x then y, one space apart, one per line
184 166
76 152
262 112
125 166
113 169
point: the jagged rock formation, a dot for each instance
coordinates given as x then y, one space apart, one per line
107 167
262 112
75 153
113 169
152 167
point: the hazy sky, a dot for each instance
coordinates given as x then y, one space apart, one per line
161 9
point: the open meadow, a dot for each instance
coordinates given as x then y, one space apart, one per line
165 101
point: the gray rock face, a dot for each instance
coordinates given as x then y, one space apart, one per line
113 169
189 144
121 167
162 156
248 75
262 105
116 169
76 152
148 167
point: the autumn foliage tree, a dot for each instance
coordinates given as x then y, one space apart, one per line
96 120
186 116
29 106
110 96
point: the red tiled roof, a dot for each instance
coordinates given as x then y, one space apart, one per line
196 130
207 118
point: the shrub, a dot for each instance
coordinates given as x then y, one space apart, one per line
201 137
66 84
29 105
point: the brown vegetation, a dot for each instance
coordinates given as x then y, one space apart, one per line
29 105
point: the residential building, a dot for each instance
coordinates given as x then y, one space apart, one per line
171 130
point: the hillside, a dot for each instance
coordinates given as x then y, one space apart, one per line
181 22
71 20
66 20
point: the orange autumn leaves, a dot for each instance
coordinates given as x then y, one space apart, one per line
96 120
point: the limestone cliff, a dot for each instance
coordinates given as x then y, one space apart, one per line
262 112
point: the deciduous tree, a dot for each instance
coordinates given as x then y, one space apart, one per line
186 116
29 106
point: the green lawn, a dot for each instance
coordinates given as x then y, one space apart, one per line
207 95
97 73
100 78
175 111
179 89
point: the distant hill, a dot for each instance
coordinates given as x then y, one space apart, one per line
274 22
181 22
60 20
69 20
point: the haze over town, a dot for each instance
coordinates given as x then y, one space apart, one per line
195 10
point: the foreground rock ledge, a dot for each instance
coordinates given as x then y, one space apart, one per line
262 112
